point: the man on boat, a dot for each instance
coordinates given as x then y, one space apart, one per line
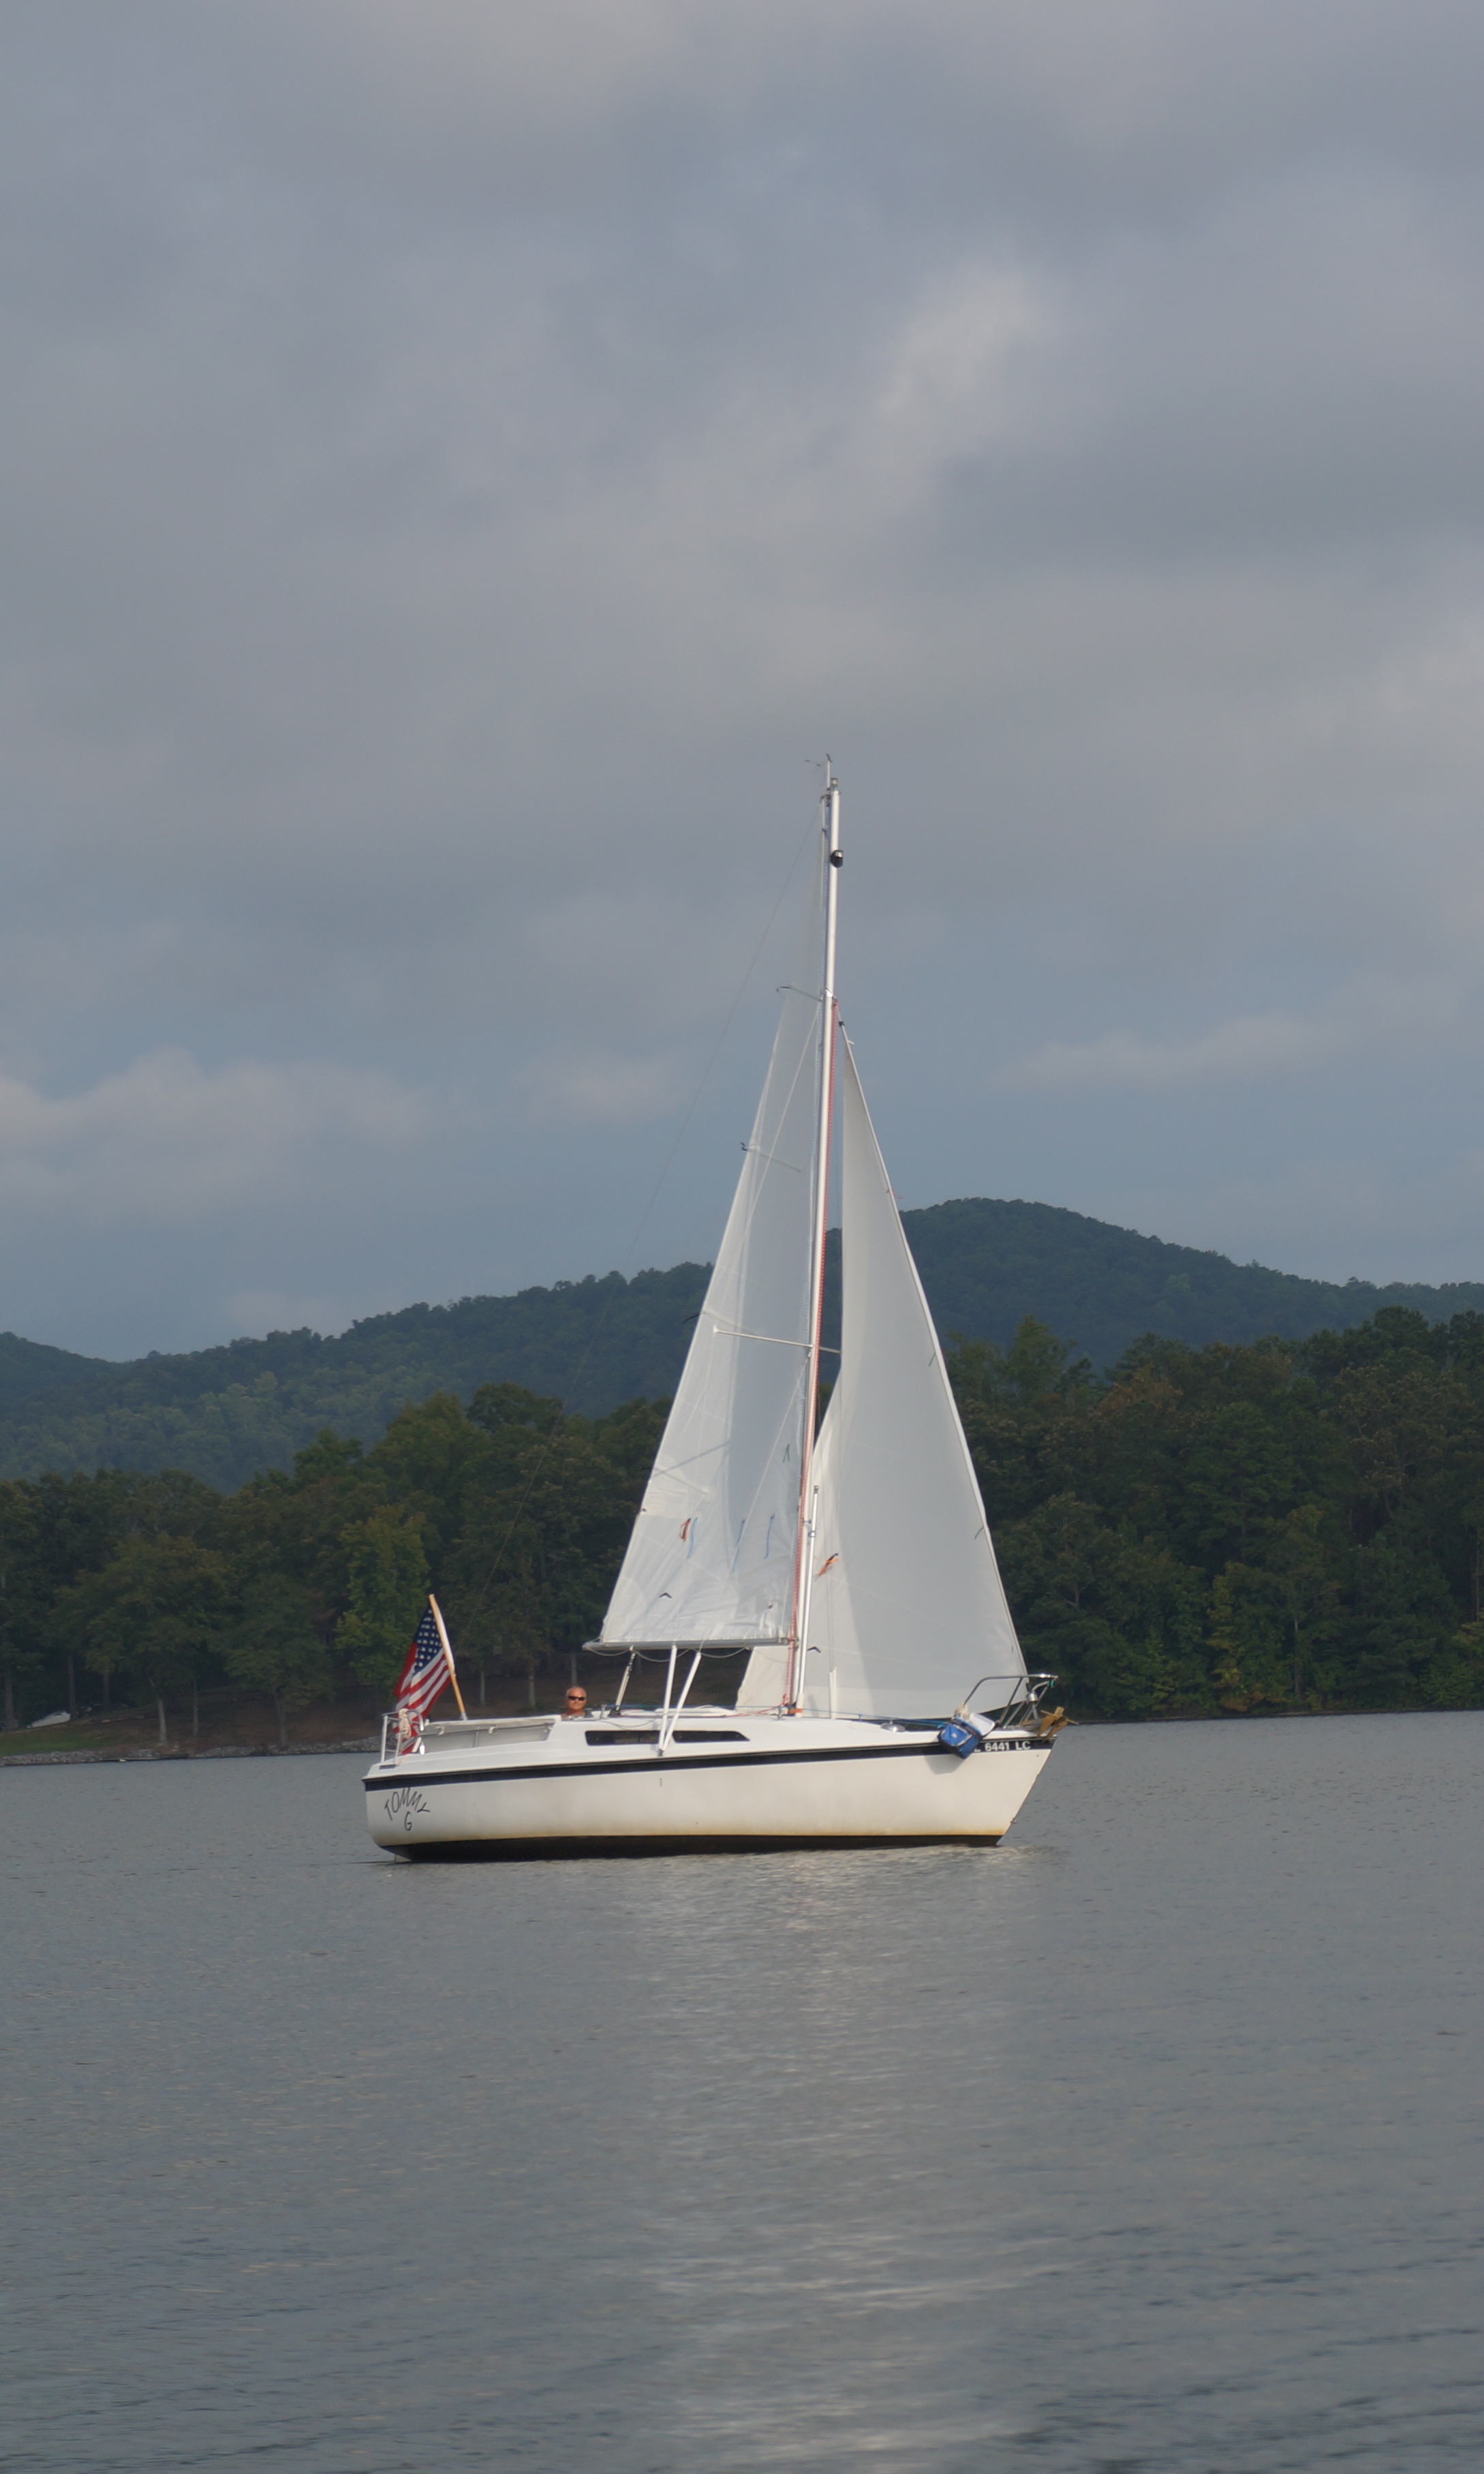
575 1702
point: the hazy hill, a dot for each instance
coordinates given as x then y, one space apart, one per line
985 1264
225 1412
30 1372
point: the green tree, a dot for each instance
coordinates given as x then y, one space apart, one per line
273 1647
1452 1677
298 1523
1300 1565
1237 1476
76 1526
1052 1563
1246 1644
1403 1616
149 1614
1152 1664
429 1460
20 1657
388 1586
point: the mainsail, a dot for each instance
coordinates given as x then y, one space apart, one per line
908 1610
711 1558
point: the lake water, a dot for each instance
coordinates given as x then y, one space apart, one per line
1150 2140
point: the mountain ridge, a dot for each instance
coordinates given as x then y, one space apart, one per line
985 1263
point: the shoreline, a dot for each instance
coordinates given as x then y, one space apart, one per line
211 1753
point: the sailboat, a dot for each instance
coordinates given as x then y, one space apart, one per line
843 1565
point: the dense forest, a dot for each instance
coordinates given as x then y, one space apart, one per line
225 1413
152 1587
1271 1526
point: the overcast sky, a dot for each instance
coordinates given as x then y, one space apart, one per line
462 465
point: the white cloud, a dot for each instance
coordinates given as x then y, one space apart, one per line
1261 1044
1246 1049
597 1088
165 1142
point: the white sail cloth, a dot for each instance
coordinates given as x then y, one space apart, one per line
713 1554
908 1610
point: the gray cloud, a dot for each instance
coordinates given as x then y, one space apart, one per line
459 462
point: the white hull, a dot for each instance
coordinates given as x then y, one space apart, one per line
597 1786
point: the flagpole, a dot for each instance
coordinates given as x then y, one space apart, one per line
442 1635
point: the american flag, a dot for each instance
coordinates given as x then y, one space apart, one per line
428 1668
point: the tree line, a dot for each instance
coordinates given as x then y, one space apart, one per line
150 1589
1277 1526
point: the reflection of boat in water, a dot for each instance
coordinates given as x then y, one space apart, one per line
851 1575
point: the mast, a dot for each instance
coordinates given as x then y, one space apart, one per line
803 1568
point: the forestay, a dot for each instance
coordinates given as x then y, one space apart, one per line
908 1607
711 1558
